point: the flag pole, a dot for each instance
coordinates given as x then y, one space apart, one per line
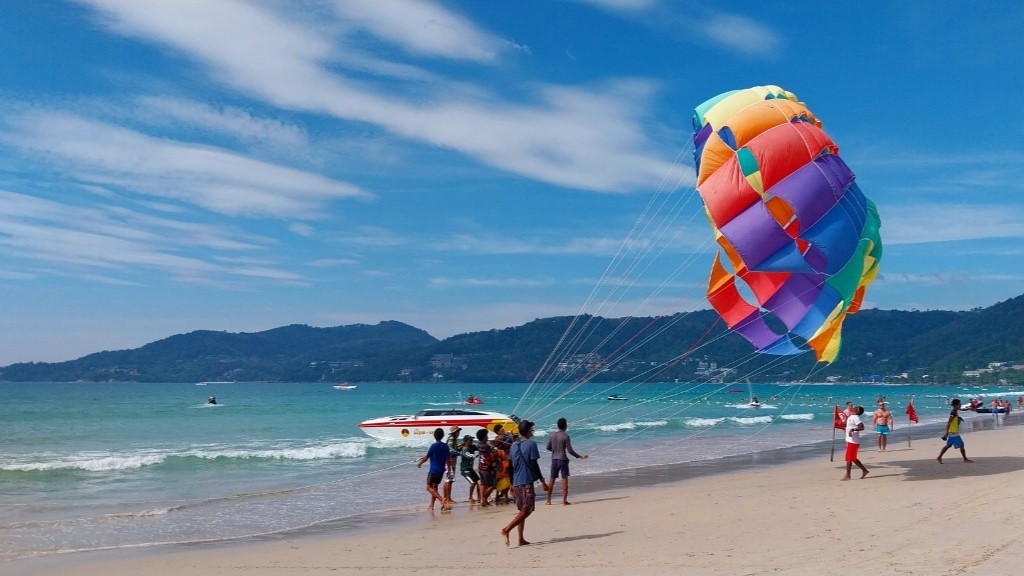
835 418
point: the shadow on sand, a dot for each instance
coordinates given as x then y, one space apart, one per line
578 537
953 466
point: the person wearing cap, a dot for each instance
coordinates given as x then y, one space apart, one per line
560 446
468 453
525 471
438 455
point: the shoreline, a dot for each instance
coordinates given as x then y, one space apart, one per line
613 501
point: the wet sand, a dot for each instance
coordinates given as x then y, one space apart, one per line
779 512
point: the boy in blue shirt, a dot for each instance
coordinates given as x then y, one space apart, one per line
438 454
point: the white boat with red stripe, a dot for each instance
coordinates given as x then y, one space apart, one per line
423 423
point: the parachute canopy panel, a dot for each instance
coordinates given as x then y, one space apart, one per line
786 211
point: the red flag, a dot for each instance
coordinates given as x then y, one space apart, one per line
839 419
911 413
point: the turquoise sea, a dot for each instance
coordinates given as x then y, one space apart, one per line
87 466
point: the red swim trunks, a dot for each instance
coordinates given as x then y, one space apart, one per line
851 451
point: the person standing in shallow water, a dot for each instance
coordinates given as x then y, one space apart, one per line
853 429
438 454
952 435
525 471
560 447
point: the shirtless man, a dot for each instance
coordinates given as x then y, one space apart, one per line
884 424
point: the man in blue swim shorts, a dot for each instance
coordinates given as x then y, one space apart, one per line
883 421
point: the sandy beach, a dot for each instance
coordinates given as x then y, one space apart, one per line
910 515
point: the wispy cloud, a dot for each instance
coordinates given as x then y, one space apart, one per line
332 262
236 122
216 179
292 64
109 242
924 223
740 33
486 282
422 28
695 22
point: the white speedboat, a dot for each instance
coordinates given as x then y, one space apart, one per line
423 423
344 386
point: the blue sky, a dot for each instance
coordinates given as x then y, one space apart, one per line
183 165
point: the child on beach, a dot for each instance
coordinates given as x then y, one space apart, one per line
952 435
438 455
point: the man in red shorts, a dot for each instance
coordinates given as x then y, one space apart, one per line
853 428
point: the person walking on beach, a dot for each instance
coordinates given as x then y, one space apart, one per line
525 471
952 435
853 428
884 424
438 454
560 447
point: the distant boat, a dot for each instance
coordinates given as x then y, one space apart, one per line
617 397
214 382
344 386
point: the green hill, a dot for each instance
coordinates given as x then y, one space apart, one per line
899 345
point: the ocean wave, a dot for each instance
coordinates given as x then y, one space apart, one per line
616 427
114 462
752 420
143 513
86 462
797 416
653 424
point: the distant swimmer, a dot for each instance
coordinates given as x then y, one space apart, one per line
211 400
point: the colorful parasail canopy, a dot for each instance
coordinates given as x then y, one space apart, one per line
800 239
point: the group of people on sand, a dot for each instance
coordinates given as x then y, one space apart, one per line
505 467
884 423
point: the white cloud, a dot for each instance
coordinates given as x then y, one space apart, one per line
108 242
236 122
740 33
924 223
693 21
216 179
422 28
589 138
622 5
332 262
486 282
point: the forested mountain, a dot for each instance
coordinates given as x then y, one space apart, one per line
896 345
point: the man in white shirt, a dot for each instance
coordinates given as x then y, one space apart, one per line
853 428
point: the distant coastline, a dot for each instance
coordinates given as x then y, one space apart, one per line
884 346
